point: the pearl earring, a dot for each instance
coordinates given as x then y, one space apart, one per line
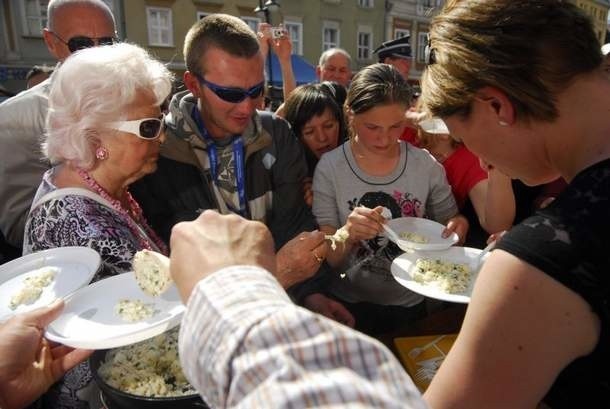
502 123
101 153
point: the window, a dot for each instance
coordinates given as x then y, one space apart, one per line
401 32
35 14
330 35
252 22
160 27
295 31
422 41
365 44
366 3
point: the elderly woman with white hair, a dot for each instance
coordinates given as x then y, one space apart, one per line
104 129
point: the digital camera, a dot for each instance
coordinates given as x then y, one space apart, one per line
277 32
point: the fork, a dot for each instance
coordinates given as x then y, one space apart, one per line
428 368
414 353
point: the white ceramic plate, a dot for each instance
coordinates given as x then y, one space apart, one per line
429 229
434 126
404 265
77 266
89 319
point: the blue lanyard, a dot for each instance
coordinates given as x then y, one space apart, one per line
238 153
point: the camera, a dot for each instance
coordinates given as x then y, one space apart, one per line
277 32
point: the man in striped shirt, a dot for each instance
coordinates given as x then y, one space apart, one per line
243 343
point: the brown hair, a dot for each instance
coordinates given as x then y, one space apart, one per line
228 33
529 49
377 84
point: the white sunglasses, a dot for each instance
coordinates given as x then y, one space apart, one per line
146 128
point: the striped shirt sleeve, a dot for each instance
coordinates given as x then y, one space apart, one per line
244 344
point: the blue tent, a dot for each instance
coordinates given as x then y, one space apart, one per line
304 72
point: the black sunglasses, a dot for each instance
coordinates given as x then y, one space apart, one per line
80 42
233 95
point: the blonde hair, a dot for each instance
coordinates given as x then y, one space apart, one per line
529 49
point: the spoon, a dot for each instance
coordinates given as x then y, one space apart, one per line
392 235
475 264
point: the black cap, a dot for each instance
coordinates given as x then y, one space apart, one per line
398 48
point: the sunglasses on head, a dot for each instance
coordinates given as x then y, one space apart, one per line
233 95
147 128
80 42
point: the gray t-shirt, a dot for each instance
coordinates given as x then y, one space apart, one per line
417 187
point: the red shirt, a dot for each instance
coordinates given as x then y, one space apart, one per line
463 173
410 135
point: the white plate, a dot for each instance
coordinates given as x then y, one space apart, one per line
404 265
77 266
434 126
429 229
89 319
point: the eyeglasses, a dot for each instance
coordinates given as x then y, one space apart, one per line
80 42
233 95
147 128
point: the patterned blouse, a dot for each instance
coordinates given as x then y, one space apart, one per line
75 220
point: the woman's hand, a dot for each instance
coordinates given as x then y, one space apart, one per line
264 38
364 223
282 47
29 365
459 225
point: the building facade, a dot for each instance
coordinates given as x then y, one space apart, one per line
358 26
597 10
314 25
411 18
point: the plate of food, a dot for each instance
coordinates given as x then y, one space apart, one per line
38 279
446 275
115 312
416 233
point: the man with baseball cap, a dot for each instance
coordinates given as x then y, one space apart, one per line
397 53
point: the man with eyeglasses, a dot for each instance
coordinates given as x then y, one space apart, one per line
221 153
71 25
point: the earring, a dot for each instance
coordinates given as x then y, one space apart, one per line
502 123
101 153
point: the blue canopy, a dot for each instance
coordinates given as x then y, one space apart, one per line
304 72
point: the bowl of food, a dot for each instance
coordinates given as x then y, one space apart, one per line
145 375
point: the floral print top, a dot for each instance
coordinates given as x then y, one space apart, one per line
75 220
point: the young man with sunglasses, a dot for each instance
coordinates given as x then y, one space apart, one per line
222 154
71 25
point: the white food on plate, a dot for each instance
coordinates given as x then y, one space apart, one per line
340 236
151 270
134 310
150 368
414 237
447 276
33 286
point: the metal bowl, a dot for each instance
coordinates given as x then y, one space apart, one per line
116 399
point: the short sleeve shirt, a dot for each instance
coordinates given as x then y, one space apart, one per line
568 240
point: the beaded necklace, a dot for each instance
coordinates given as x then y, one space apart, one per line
133 215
